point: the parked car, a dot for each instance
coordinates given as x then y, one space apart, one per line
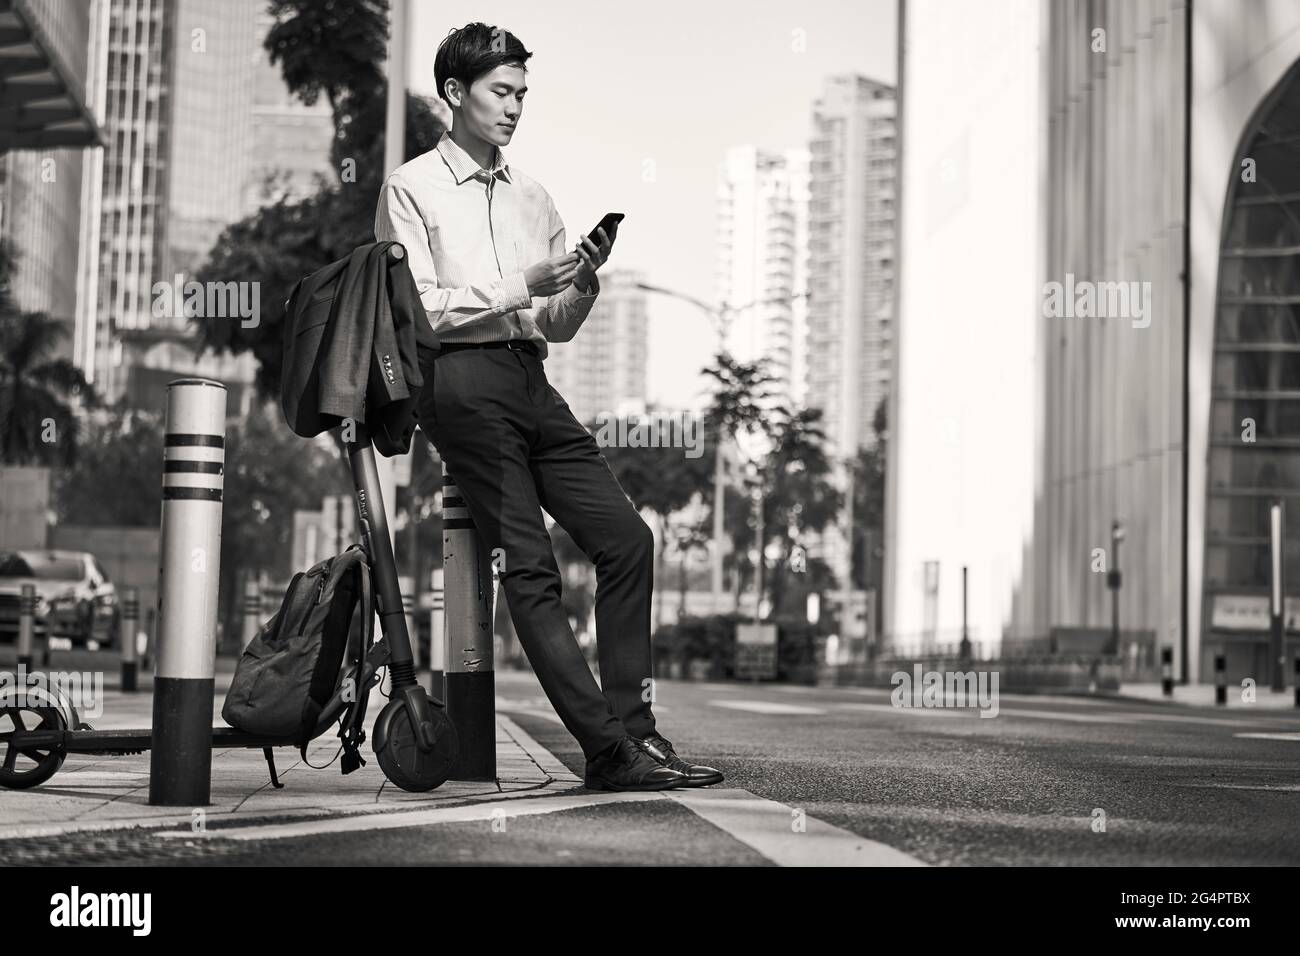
74 597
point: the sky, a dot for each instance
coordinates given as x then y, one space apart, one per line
615 89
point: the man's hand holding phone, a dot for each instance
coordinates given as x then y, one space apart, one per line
595 254
549 276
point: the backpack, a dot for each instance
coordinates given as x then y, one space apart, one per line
294 664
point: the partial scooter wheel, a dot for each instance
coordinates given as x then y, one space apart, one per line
401 759
25 767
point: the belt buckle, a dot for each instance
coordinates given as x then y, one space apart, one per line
515 345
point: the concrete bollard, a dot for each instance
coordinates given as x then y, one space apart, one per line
126 637
252 612
438 635
180 765
1221 679
1167 671
470 681
26 626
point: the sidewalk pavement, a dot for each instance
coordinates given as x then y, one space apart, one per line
1202 695
93 792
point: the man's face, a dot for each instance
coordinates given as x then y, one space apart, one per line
495 104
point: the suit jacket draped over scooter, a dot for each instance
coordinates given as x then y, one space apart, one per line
351 331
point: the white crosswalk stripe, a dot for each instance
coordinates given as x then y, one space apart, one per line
766 707
784 834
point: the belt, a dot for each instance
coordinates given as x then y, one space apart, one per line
515 345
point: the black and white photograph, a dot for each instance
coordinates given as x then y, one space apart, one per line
849 444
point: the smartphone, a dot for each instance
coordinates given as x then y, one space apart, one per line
610 220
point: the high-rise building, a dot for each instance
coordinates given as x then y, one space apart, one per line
199 120
214 57
133 213
289 145
851 240
762 203
49 139
603 368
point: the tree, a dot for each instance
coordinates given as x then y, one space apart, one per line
869 503
335 47
117 478
660 478
798 496
687 539
741 405
37 389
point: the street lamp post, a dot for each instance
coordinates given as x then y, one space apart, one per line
721 317
965 633
1114 582
1277 609
756 481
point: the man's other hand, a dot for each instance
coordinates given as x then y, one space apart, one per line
549 276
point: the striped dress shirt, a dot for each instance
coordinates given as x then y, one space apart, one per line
470 233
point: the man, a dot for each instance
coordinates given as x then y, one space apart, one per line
487 249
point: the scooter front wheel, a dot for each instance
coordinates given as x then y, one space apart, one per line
401 758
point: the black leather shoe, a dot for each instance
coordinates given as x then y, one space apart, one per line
630 766
697 775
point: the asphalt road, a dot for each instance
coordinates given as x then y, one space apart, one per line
1031 786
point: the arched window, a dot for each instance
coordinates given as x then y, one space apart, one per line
1254 453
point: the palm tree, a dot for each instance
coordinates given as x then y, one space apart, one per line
798 494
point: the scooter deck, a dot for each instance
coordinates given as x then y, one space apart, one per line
136 741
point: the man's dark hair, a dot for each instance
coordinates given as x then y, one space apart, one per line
468 53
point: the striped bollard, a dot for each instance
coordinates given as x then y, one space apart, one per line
180 765
1221 679
252 612
437 635
470 682
126 636
26 626
1167 671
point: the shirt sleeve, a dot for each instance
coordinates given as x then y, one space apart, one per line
398 218
565 311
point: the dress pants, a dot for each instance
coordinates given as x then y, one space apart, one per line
513 447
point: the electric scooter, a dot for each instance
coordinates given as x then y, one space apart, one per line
414 740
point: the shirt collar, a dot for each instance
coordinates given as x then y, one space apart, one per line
463 166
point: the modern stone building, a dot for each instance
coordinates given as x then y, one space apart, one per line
1155 172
